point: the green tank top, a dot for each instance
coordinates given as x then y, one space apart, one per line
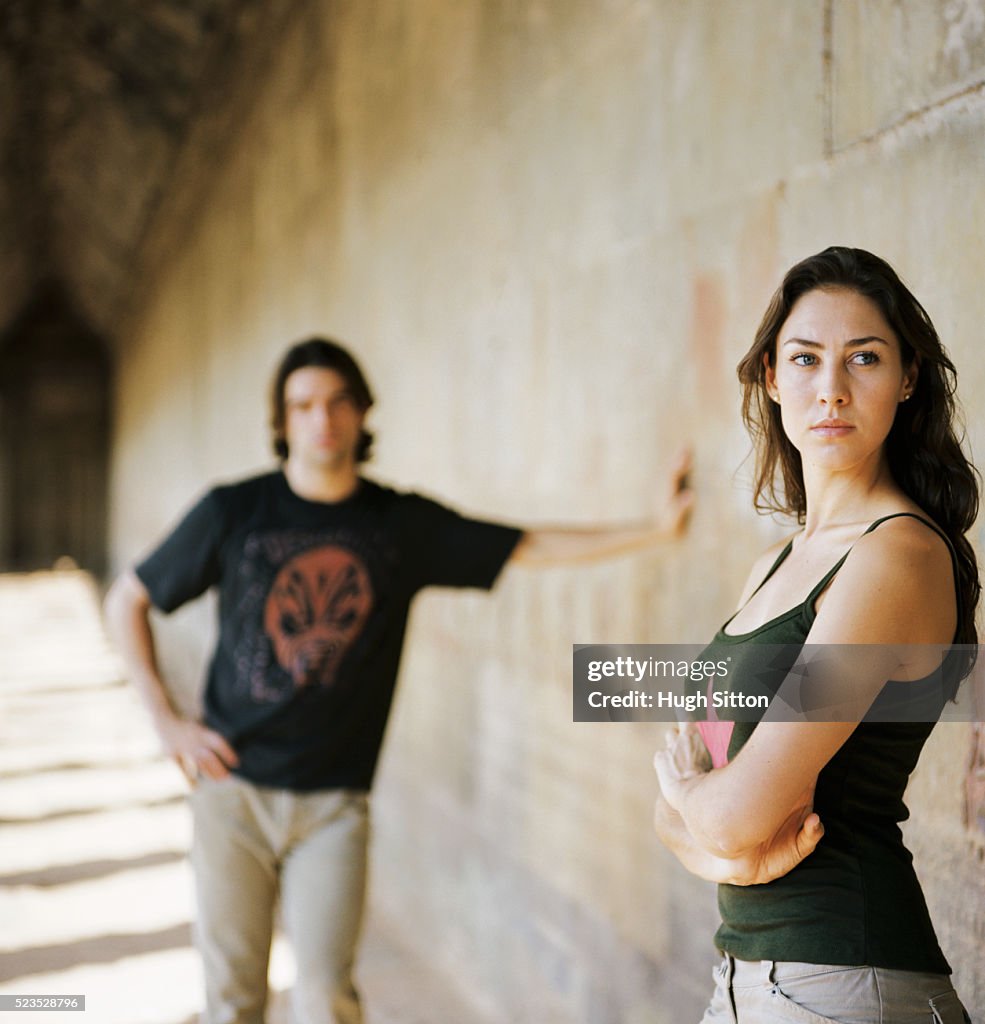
856 900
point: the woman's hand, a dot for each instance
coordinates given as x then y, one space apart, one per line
682 764
796 839
772 859
685 758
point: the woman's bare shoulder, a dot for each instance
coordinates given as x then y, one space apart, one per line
914 537
898 582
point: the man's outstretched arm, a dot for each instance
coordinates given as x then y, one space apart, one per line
194 747
545 547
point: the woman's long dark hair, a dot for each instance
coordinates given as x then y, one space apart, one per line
923 448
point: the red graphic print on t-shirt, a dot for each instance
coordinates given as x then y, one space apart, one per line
315 610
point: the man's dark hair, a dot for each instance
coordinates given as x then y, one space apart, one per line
329 355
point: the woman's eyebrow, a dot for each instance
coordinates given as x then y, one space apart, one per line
854 341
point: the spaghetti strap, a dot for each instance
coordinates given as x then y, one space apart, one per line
776 565
806 607
920 519
830 574
944 537
826 579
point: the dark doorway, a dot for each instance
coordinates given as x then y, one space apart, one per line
54 431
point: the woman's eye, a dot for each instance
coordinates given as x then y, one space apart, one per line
803 359
865 358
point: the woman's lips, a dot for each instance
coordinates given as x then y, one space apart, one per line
832 428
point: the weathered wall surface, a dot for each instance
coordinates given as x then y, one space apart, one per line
549 229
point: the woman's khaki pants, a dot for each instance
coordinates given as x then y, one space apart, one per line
782 992
253 845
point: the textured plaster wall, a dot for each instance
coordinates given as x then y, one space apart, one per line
549 229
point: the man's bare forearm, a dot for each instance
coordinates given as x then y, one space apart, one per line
571 546
196 748
128 618
551 547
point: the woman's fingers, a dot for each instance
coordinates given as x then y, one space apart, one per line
810 834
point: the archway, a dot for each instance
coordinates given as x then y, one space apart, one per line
54 428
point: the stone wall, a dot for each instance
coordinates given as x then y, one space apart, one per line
549 229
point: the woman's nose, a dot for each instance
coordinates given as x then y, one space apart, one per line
833 389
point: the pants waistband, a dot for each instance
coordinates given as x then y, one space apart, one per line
747 973
750 972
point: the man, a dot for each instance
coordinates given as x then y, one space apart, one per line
316 567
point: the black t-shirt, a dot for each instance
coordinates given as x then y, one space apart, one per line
313 604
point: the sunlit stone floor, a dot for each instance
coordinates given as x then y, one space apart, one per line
95 890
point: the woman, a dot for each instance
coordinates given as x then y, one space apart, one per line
849 395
